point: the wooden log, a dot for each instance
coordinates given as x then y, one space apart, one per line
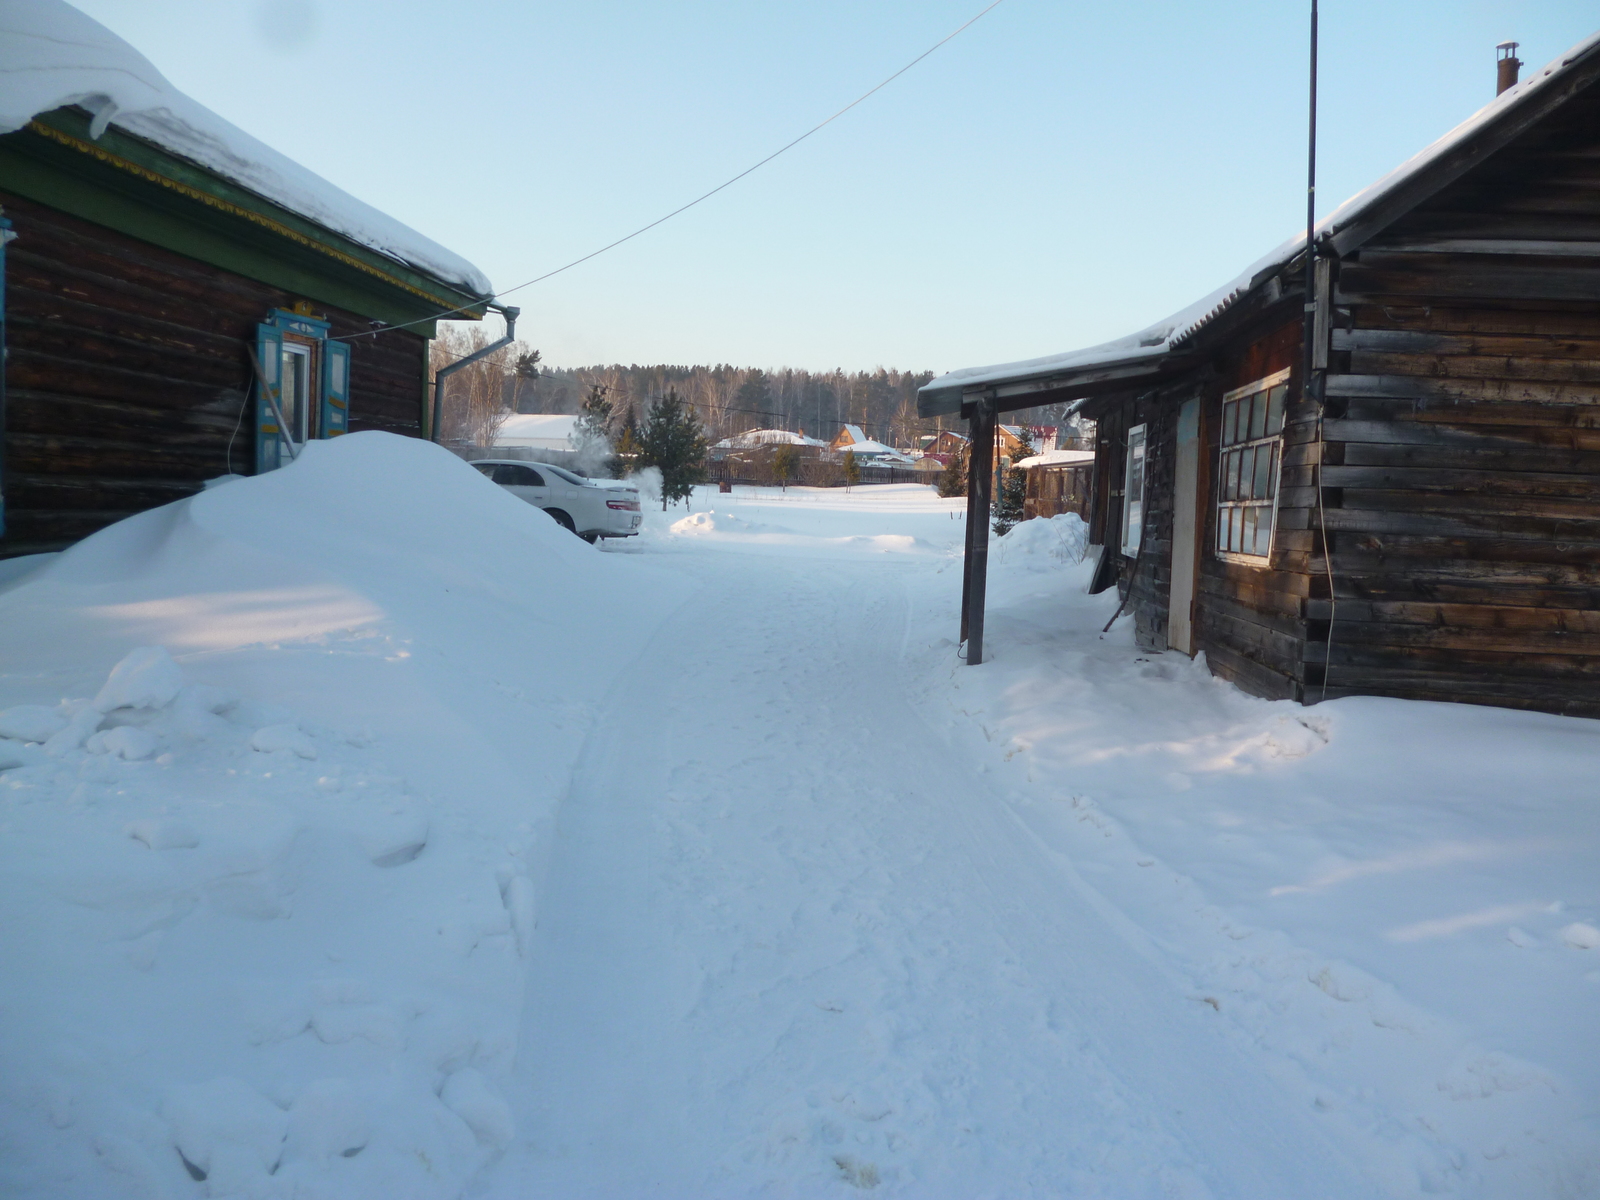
1249 675
1491 347
1449 637
1528 485
1495 617
1481 391
1546 460
1477 504
1381 521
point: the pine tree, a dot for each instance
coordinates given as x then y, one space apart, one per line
591 432
1008 510
629 449
953 479
785 462
674 442
852 470
1012 494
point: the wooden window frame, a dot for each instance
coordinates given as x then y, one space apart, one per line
1131 535
1245 449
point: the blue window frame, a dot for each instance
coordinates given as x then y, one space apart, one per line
309 377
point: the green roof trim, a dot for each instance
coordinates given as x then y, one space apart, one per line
128 184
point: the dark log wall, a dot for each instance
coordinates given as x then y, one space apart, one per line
1249 619
127 369
1463 424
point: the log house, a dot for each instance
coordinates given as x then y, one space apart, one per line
137 282
1423 520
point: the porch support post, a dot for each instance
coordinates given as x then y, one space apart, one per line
980 487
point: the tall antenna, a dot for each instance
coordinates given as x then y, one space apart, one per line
1311 201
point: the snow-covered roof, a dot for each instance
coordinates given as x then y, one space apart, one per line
766 437
1172 332
541 431
52 56
868 448
854 433
1058 458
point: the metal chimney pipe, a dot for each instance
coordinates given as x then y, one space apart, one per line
1506 66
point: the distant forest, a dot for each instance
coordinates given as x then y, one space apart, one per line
732 399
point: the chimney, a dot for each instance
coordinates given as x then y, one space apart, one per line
1506 67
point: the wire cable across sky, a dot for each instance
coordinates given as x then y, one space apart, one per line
706 196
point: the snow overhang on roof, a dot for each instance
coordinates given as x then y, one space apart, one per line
1057 458
53 56
1143 355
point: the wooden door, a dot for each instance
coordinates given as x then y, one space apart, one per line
1187 506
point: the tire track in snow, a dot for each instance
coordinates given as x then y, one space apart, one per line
792 945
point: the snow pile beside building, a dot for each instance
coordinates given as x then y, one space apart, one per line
1392 903
1044 543
278 769
52 55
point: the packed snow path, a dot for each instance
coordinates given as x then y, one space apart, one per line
431 853
791 942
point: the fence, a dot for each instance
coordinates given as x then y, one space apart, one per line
754 469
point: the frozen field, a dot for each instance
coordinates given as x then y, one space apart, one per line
440 854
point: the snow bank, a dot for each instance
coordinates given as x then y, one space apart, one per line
279 766
52 55
1391 902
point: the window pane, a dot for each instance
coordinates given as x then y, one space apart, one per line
1258 415
1248 537
1272 475
1263 463
1264 531
1222 528
1275 400
1230 414
1247 472
1231 488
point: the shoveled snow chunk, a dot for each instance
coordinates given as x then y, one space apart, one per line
283 737
83 723
394 835
1581 936
161 834
145 678
125 741
519 905
31 723
378 1024
327 1120
210 1119
468 1095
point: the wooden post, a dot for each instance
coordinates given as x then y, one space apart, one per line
980 487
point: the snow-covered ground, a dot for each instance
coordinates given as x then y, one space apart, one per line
436 853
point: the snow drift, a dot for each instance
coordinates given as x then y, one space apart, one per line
277 763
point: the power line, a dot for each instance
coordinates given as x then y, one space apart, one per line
698 199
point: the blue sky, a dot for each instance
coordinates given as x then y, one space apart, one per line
1062 173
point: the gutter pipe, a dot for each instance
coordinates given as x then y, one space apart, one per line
511 315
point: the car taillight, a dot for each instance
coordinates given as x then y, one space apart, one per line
624 505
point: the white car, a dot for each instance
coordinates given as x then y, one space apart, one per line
591 508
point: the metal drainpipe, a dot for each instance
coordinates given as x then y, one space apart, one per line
511 315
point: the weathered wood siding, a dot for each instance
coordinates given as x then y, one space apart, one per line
126 371
1463 468
1249 619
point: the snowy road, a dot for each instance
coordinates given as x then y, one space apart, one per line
435 854
790 942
